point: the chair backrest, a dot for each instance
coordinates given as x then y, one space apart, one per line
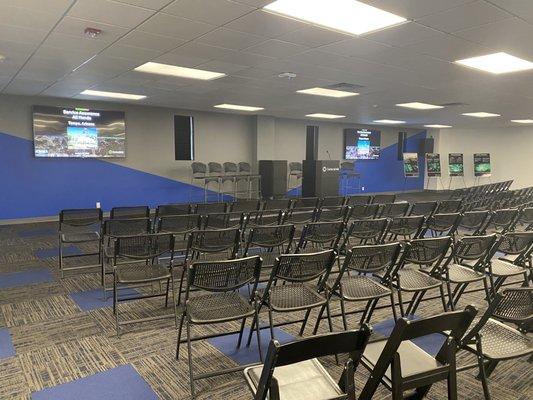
224 276
445 223
127 227
501 220
526 216
210 208
295 167
230 168
407 227
364 211
305 202
515 243
264 218
365 230
244 167
245 205
449 206
361 199
333 214
130 212
426 253
372 258
277 204
425 208
332 201
456 322
278 355
205 242
516 306
303 267
178 224
474 248
198 168
144 247
82 217
214 168
300 216
383 198
393 210
270 237
224 220
321 235
473 220
172 209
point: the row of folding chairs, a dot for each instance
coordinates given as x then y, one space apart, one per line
474 192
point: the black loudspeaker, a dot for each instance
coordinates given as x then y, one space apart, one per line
311 143
273 178
183 137
426 146
402 137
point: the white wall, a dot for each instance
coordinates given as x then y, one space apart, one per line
511 151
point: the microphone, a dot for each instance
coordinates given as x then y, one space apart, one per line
329 155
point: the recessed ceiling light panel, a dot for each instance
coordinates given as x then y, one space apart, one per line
317 91
238 107
437 126
497 63
388 121
347 16
113 95
523 121
481 114
419 106
181 72
325 116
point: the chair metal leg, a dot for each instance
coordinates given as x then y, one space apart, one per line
489 368
239 340
482 375
257 331
343 312
319 318
180 328
166 294
189 351
450 297
115 305
271 323
392 304
61 259
400 302
304 323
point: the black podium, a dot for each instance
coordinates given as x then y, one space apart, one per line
320 178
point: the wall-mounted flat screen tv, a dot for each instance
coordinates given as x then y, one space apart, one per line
78 132
361 144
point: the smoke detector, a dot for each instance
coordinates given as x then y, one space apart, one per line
2 58
288 75
92 33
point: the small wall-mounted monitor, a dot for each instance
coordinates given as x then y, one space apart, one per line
78 132
362 144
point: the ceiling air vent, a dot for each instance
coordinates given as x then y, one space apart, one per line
455 104
347 87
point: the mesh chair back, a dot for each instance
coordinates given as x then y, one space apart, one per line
172 209
264 218
80 217
244 168
321 235
230 168
502 220
516 306
443 223
214 241
214 168
351 342
333 201
407 227
373 258
474 247
427 252
130 212
270 237
178 224
424 208
473 220
306 202
144 247
224 220
393 210
245 205
127 227
277 204
353 200
383 198
449 206
198 168
526 218
364 211
515 243
364 230
300 216
210 208
224 276
333 214
304 267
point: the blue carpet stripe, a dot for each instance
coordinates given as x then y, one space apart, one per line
43 254
22 278
6 344
94 299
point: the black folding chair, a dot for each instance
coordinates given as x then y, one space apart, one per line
130 212
402 366
424 208
218 302
318 236
449 206
364 211
172 209
441 224
364 231
516 307
332 201
303 376
147 248
245 205
333 214
383 198
363 260
393 210
500 221
360 199
180 226
236 220
524 221
306 202
472 222
210 208
80 226
405 228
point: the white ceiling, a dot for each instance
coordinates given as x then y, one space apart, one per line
47 54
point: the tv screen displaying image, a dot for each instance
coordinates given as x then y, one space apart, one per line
361 144
78 132
482 164
455 164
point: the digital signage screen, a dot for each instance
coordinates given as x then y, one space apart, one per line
78 132
362 144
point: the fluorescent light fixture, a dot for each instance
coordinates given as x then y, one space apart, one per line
238 107
325 116
388 121
181 72
317 91
523 121
437 126
419 106
481 114
113 95
347 16
497 63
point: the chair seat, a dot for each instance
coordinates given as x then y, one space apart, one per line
80 237
461 274
294 296
413 359
414 280
136 273
218 307
362 287
500 341
505 268
304 380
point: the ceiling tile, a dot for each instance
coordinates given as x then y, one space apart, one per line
220 66
34 19
276 48
194 49
464 16
181 60
415 8
216 12
520 8
138 54
255 3
110 12
229 39
69 42
403 34
150 4
22 35
175 27
76 27
52 6
355 47
313 36
27 87
248 59
265 24
150 41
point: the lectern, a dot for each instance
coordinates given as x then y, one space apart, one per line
320 178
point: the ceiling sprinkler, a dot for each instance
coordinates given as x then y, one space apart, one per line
288 75
92 32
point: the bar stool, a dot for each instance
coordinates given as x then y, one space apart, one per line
199 173
230 171
245 169
215 170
